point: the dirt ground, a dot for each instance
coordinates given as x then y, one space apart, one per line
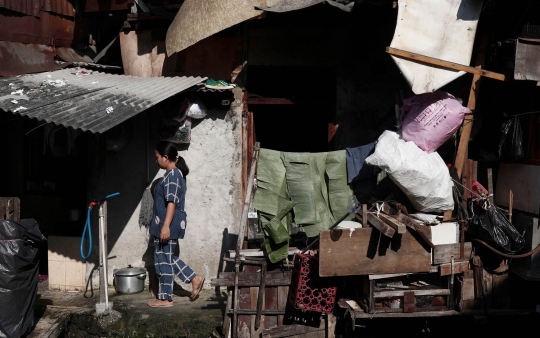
72 314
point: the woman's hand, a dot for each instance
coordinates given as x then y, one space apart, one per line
165 233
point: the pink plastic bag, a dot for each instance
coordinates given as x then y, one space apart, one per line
431 119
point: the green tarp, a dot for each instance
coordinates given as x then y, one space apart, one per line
313 185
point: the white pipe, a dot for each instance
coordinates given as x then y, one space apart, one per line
102 245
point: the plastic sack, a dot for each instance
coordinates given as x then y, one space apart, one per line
197 110
498 232
511 144
175 131
423 177
431 119
19 271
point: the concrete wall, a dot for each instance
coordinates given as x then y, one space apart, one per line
213 199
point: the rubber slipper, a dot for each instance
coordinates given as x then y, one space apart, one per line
196 290
159 303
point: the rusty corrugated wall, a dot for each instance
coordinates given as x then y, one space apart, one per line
34 7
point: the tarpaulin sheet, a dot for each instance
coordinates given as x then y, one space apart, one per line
440 29
18 275
199 19
292 5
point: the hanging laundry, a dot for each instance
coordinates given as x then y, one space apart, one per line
357 167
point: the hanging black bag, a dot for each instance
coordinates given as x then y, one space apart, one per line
498 232
511 144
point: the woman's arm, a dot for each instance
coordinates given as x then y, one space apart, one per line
165 229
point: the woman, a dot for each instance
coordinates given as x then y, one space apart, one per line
169 224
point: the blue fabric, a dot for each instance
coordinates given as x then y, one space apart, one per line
167 265
172 188
356 162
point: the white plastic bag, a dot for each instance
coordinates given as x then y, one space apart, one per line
197 110
423 177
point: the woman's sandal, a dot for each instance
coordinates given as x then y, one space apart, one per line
196 290
159 303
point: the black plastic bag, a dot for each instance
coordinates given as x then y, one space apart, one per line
19 270
498 232
511 144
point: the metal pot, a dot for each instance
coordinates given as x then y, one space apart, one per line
129 280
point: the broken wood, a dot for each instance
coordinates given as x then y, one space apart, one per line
400 293
252 279
399 227
384 228
459 267
442 253
365 252
410 223
444 64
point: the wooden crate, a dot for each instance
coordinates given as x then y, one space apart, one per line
10 208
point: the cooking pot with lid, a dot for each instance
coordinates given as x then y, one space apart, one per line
129 280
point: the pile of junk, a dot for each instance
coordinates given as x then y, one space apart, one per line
385 229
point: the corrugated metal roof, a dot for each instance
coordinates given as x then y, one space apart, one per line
93 101
33 7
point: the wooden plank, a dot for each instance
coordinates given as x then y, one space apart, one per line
384 228
490 184
270 303
291 330
399 227
409 302
420 229
444 64
252 279
443 253
258 252
459 267
462 152
364 216
400 293
283 293
366 252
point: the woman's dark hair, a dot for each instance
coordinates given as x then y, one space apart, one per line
167 148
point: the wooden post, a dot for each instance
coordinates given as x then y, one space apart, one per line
510 206
463 147
490 185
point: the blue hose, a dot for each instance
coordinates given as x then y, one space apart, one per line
88 228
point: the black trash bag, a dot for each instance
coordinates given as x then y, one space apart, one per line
499 233
511 144
19 271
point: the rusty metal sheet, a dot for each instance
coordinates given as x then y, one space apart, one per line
35 7
527 66
18 58
46 30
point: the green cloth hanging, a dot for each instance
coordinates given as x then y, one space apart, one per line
339 192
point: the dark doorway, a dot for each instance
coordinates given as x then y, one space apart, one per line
299 127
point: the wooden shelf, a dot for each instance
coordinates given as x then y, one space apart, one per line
400 293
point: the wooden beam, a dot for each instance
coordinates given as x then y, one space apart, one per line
384 228
459 267
410 223
442 253
394 223
444 64
253 279
365 252
400 293
462 151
